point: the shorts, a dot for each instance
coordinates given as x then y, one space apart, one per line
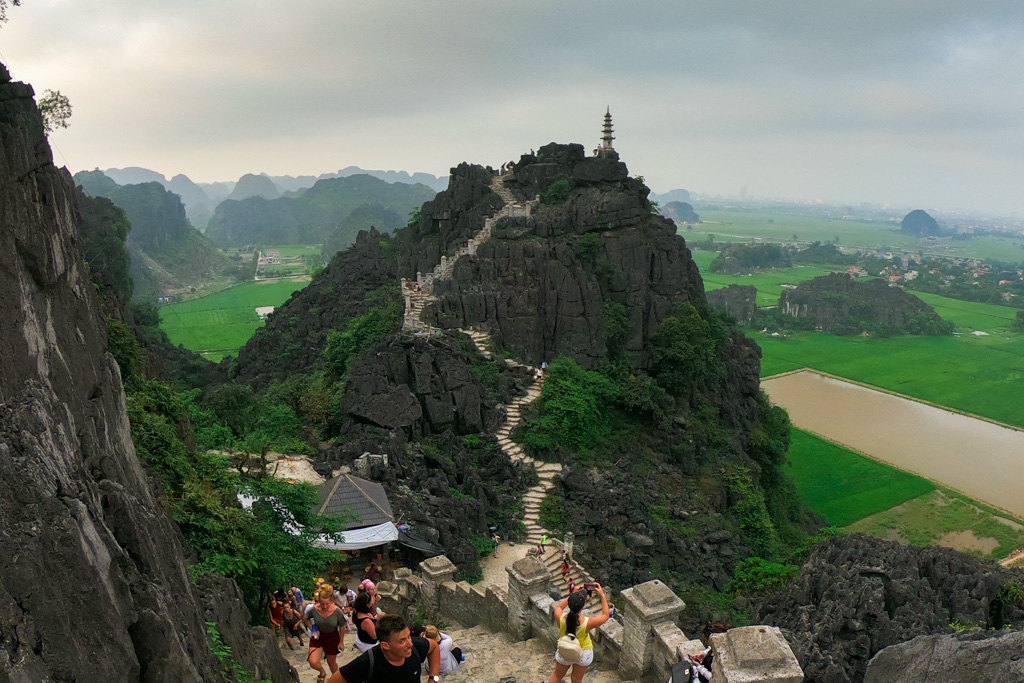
363 647
586 660
330 642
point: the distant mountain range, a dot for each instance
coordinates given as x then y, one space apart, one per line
331 212
201 199
167 253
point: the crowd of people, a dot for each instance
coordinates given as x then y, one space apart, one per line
387 642
392 650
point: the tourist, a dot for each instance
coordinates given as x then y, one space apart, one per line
300 599
372 572
324 621
370 588
398 658
573 621
274 610
451 657
291 620
366 623
572 585
565 565
495 541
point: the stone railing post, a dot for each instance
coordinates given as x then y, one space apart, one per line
435 571
569 538
754 654
526 577
647 605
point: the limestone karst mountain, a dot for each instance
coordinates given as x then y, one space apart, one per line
312 217
168 254
591 277
94 577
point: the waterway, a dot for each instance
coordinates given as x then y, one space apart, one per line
979 458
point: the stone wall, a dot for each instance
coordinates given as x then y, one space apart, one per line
644 645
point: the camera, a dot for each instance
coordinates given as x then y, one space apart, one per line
590 587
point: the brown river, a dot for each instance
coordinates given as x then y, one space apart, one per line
971 455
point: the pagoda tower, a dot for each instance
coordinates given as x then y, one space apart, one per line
606 135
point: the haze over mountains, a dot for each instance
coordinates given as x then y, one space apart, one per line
201 199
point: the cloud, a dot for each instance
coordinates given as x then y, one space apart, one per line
800 98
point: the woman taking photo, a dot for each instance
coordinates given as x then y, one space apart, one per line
326 621
573 621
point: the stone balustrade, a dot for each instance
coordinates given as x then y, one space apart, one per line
644 646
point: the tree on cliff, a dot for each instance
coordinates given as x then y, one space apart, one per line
56 110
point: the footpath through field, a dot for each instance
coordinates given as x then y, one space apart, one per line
982 459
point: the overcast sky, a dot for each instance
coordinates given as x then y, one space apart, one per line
908 102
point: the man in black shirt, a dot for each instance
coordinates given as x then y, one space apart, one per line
397 658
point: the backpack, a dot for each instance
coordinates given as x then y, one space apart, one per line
569 648
682 673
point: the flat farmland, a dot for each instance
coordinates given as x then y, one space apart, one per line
219 324
742 226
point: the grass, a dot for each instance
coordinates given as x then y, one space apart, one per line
769 283
928 519
220 323
978 375
864 495
843 486
743 225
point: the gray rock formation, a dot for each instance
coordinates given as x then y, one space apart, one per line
971 656
858 595
94 582
738 301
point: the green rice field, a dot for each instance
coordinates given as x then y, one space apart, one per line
742 226
978 375
843 486
860 494
219 324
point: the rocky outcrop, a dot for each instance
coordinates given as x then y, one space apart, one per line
919 222
294 337
540 285
737 301
858 595
250 185
94 581
680 212
972 656
839 304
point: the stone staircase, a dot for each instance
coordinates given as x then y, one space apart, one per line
546 471
418 294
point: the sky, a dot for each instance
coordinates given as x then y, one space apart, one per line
903 102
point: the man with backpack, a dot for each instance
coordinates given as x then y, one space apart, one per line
397 658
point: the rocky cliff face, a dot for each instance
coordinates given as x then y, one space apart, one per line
540 285
857 595
976 655
94 582
839 304
737 301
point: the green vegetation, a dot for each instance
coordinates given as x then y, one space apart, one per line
977 375
742 225
752 512
572 407
221 323
553 514
845 487
360 333
943 517
769 284
232 670
754 576
556 193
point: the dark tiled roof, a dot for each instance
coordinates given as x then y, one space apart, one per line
344 495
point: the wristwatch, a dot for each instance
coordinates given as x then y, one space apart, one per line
435 679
